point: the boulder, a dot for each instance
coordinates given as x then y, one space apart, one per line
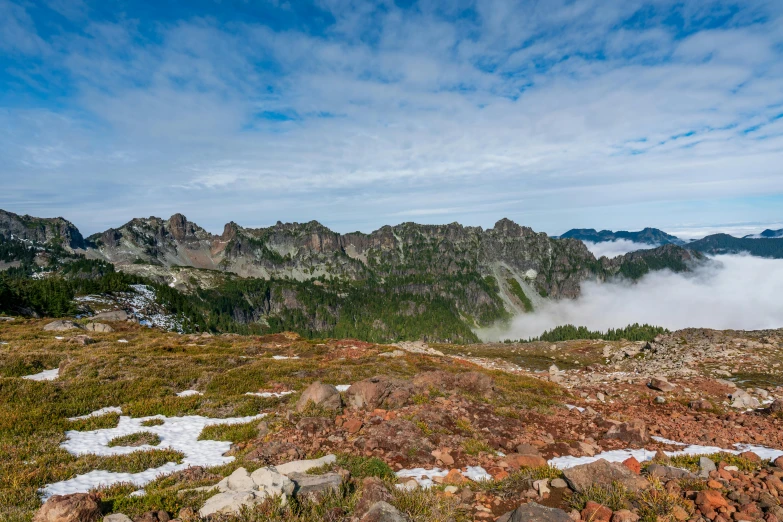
61 326
314 485
595 512
98 327
117 517
661 384
710 499
239 480
303 466
625 515
525 461
700 404
77 507
242 489
230 502
742 400
113 315
82 340
272 481
669 472
603 472
776 406
379 392
532 512
374 490
706 465
382 511
633 432
323 395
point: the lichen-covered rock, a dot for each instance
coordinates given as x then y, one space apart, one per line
77 507
323 395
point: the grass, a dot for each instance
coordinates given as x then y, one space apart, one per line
517 481
615 497
691 462
142 377
475 446
140 438
516 289
152 422
230 432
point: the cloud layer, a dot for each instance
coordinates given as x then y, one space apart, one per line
609 114
615 248
731 292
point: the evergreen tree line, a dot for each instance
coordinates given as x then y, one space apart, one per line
569 332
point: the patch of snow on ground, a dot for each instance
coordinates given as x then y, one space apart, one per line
425 477
342 387
46 375
189 393
176 433
642 454
283 357
269 394
577 408
97 413
142 304
122 340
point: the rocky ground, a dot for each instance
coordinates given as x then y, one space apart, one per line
579 430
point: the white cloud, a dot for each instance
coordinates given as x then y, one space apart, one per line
520 110
731 292
615 248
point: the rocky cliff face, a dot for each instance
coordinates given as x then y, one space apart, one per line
305 251
48 231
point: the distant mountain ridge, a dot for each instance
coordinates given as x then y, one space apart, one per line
647 236
725 244
766 234
397 282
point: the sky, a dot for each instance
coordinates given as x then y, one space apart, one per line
614 114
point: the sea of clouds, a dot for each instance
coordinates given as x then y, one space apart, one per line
615 248
729 292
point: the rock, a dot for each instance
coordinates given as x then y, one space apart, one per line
303 466
475 382
153 516
61 326
525 461
443 456
239 480
749 455
741 399
660 399
395 353
230 502
542 486
633 464
710 499
382 511
98 327
117 517
679 514
323 395
77 507
779 462
625 516
776 406
700 404
595 512
532 512
559 483
81 340
528 449
374 490
274 451
669 472
377 392
272 481
310 485
633 432
602 472
113 315
661 384
705 466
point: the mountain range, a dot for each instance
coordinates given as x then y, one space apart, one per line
400 281
768 243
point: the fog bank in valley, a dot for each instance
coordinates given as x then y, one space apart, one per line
729 292
615 248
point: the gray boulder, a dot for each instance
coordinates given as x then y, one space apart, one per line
669 472
661 384
98 327
532 512
117 517
603 472
324 395
313 485
61 326
303 466
383 512
632 432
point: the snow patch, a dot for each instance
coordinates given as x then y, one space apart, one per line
642 454
283 357
46 375
176 433
269 394
189 393
342 387
426 477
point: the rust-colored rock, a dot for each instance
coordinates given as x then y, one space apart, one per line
77 507
633 464
595 512
710 499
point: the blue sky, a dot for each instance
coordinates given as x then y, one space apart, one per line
557 114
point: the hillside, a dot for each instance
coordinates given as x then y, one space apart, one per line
648 236
726 244
408 281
